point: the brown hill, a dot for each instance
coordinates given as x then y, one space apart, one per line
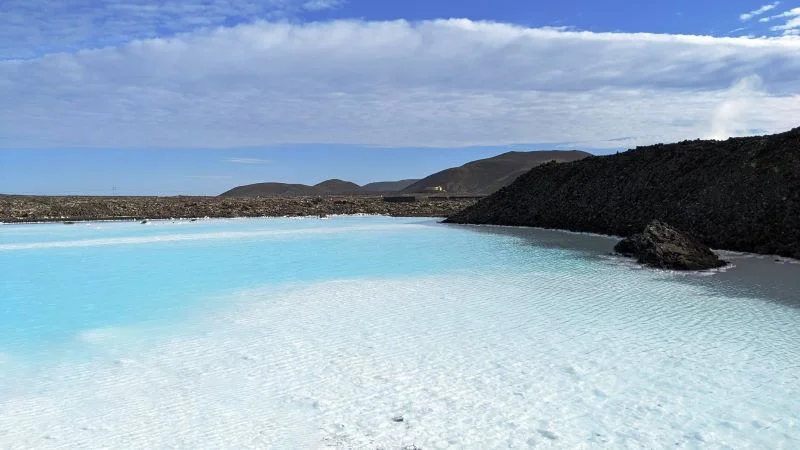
328 187
485 176
739 194
270 190
388 186
336 186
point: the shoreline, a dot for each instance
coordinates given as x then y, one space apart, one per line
720 251
199 219
74 209
438 217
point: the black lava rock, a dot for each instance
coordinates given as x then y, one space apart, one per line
663 246
740 194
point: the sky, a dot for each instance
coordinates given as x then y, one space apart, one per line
196 96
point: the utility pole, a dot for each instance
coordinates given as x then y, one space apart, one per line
114 190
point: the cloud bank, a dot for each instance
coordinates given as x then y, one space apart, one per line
397 83
32 27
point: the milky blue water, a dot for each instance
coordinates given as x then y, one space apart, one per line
60 280
309 333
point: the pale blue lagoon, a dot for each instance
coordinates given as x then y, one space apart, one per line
375 332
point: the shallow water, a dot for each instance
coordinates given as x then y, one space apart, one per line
307 333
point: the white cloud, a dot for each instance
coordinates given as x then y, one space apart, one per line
321 5
436 83
247 160
757 12
792 25
730 114
794 12
29 28
790 19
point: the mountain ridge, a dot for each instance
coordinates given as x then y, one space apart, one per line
479 177
334 186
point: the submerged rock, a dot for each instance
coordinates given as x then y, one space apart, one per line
665 247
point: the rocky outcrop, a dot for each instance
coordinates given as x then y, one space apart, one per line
740 194
665 247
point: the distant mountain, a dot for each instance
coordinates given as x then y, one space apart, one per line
388 186
477 177
270 189
485 176
740 194
336 186
328 187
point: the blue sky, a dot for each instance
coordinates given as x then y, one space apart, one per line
160 96
210 172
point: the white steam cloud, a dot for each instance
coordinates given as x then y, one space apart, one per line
731 116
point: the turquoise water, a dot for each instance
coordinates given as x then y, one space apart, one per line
60 280
310 333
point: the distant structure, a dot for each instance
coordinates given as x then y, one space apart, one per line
434 189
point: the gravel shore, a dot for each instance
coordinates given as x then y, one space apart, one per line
15 209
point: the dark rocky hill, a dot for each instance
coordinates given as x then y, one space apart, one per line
739 194
485 176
